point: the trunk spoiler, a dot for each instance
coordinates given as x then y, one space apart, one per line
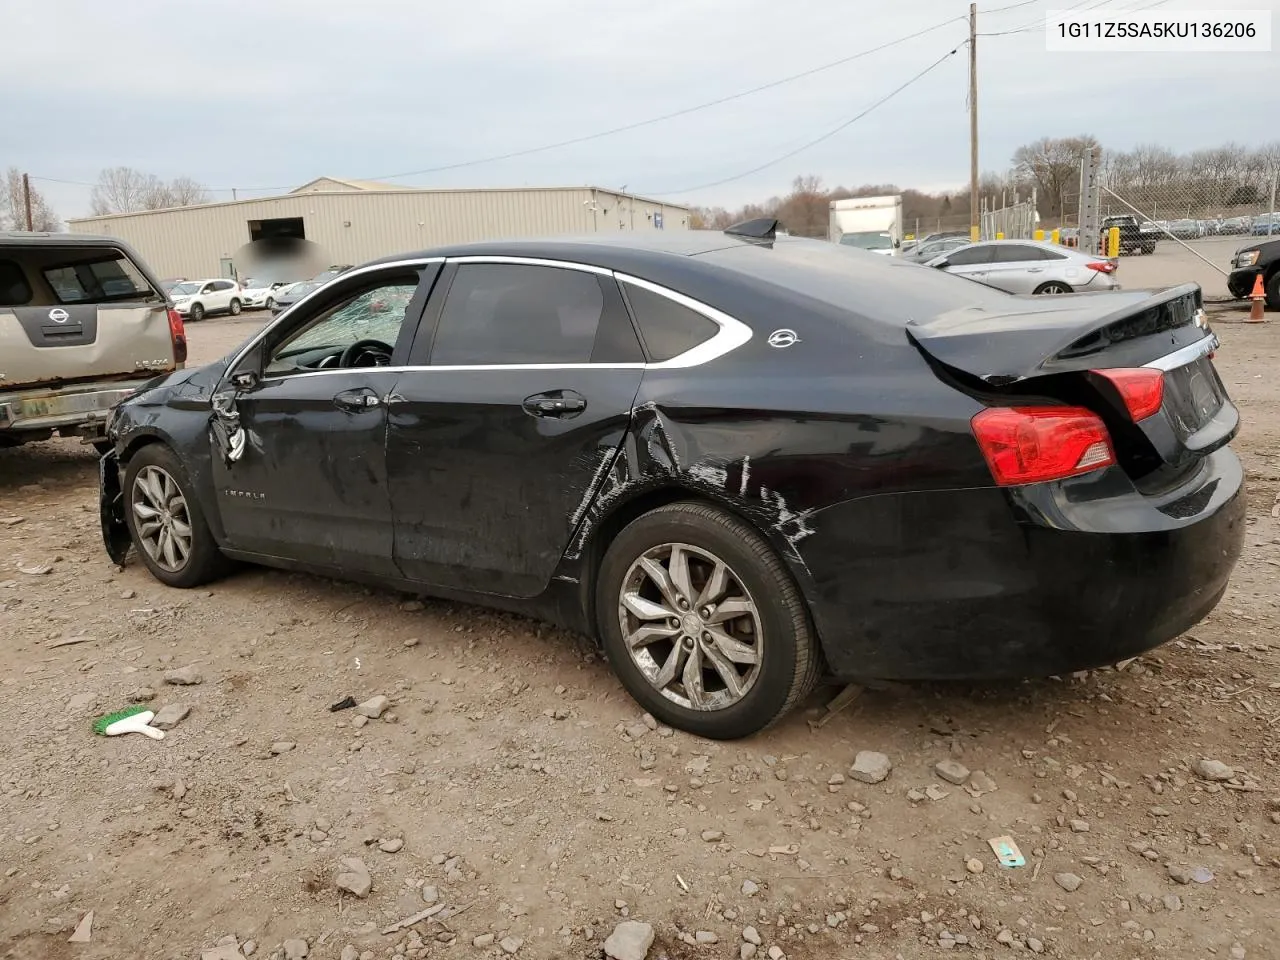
1047 335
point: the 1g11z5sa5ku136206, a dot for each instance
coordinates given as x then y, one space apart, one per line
741 461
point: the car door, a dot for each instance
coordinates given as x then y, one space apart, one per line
300 426
970 262
523 379
1015 268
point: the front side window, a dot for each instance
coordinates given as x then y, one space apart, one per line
373 317
970 256
502 313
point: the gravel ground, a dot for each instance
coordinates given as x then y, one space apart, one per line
510 784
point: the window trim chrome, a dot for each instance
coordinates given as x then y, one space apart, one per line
732 332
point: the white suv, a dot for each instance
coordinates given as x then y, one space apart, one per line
196 299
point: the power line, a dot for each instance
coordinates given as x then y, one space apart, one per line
573 141
813 143
677 113
1034 27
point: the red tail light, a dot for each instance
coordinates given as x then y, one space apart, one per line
178 336
1102 266
1034 444
1141 389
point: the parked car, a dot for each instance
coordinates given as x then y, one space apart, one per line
324 276
1266 225
260 294
291 293
620 435
197 299
1259 259
934 248
1186 229
1024 266
166 286
83 323
1135 236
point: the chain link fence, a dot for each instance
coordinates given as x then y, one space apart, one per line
1016 220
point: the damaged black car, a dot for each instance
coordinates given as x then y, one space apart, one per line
744 462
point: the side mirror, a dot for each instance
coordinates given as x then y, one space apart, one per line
245 380
941 264
897 244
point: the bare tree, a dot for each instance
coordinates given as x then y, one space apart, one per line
13 209
126 190
1052 164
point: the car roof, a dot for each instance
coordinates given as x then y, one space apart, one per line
10 238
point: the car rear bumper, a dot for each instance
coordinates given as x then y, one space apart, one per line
988 584
1240 281
44 409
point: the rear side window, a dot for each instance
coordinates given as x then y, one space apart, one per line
668 328
1017 253
14 289
501 314
113 278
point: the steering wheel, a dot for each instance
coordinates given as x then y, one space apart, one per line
361 347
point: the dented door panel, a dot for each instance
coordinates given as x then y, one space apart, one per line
310 480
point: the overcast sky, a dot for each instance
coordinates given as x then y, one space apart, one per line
264 95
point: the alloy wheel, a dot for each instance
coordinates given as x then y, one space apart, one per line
161 518
691 627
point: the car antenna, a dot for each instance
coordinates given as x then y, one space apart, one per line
762 228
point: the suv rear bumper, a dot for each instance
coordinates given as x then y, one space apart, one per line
43 408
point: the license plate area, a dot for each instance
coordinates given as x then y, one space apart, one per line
1193 396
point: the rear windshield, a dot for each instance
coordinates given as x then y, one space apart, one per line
112 277
882 288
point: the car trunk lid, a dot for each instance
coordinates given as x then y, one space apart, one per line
1079 350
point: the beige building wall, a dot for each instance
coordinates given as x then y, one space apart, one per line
353 226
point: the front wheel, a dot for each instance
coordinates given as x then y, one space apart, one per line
197 313
165 521
234 309
271 303
703 623
1052 287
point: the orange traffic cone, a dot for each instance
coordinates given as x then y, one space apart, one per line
1259 298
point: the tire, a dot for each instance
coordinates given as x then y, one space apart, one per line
271 303
202 561
197 313
1051 288
234 309
780 633
1272 288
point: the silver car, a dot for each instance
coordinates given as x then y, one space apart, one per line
1025 266
929 249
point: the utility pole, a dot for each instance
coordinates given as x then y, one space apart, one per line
26 199
974 221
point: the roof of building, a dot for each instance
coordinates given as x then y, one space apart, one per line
372 187
348 184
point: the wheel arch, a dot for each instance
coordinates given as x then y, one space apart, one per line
672 490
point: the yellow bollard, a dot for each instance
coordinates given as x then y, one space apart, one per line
1113 242
1039 235
1055 237
999 234
974 234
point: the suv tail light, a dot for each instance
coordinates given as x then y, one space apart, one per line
1141 389
177 336
1102 266
1035 444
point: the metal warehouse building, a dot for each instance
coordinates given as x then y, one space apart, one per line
352 221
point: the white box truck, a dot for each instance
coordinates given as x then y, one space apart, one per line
868 223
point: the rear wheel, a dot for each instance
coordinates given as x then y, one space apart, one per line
197 313
1052 287
165 520
234 309
702 622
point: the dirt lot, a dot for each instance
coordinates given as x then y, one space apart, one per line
1173 263
514 781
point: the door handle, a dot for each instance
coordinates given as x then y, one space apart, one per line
558 404
356 400
1035 269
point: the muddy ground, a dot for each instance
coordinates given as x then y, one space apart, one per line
514 781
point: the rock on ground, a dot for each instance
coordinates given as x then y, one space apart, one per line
184 676
870 767
1068 881
1214 770
630 940
951 771
295 949
170 715
354 877
374 707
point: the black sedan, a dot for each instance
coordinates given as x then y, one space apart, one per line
744 462
286 297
